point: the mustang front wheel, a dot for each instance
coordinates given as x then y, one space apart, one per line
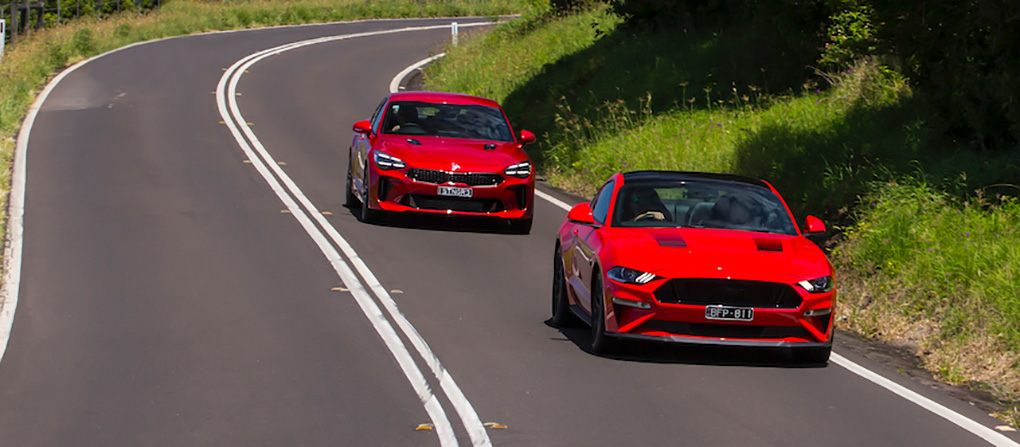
601 343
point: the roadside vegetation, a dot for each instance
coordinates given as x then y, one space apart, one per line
34 58
850 108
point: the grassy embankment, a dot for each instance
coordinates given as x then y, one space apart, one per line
33 60
930 254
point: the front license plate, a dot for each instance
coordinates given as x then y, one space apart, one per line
455 192
729 313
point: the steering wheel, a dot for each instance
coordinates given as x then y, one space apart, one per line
650 215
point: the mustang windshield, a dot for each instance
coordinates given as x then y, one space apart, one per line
701 204
446 120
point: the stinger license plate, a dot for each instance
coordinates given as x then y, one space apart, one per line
455 192
729 313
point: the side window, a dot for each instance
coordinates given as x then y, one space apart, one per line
377 115
600 205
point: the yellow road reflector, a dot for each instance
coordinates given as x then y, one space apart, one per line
327 213
238 93
224 69
494 425
339 289
246 71
396 291
1004 428
223 122
247 161
214 93
282 163
423 427
284 211
250 123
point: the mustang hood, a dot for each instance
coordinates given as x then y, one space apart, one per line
441 153
709 253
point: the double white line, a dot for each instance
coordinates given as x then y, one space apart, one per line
329 241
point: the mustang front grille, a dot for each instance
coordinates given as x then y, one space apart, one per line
437 177
728 292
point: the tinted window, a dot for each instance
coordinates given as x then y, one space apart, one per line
376 115
600 204
446 120
701 204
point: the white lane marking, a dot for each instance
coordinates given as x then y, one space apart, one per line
993 437
395 83
469 417
16 207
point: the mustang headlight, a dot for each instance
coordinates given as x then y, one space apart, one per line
630 276
519 170
820 285
387 161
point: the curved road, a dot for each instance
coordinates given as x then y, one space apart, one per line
179 287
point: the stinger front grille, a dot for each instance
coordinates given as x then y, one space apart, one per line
442 177
728 292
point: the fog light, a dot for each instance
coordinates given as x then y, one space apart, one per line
818 312
632 303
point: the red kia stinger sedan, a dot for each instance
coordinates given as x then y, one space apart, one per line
693 258
441 153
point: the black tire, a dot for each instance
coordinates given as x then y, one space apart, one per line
601 343
562 316
813 356
352 199
521 226
367 214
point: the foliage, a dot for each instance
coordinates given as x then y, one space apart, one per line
965 57
921 268
851 37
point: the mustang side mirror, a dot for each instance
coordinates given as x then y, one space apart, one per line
581 213
363 126
527 137
815 225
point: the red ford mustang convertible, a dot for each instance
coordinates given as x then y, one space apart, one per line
693 258
441 153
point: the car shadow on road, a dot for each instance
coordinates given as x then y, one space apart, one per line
438 222
662 352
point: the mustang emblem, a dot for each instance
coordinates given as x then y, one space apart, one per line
454 166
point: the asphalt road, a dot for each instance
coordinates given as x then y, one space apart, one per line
169 297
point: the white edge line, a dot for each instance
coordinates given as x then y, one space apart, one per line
395 83
993 437
469 417
16 213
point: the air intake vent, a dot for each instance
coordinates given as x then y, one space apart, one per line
769 244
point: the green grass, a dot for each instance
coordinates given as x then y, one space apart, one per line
928 270
34 59
931 264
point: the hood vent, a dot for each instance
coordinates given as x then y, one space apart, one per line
769 244
670 240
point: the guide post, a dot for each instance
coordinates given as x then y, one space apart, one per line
3 37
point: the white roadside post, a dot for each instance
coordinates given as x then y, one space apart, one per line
3 37
453 32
